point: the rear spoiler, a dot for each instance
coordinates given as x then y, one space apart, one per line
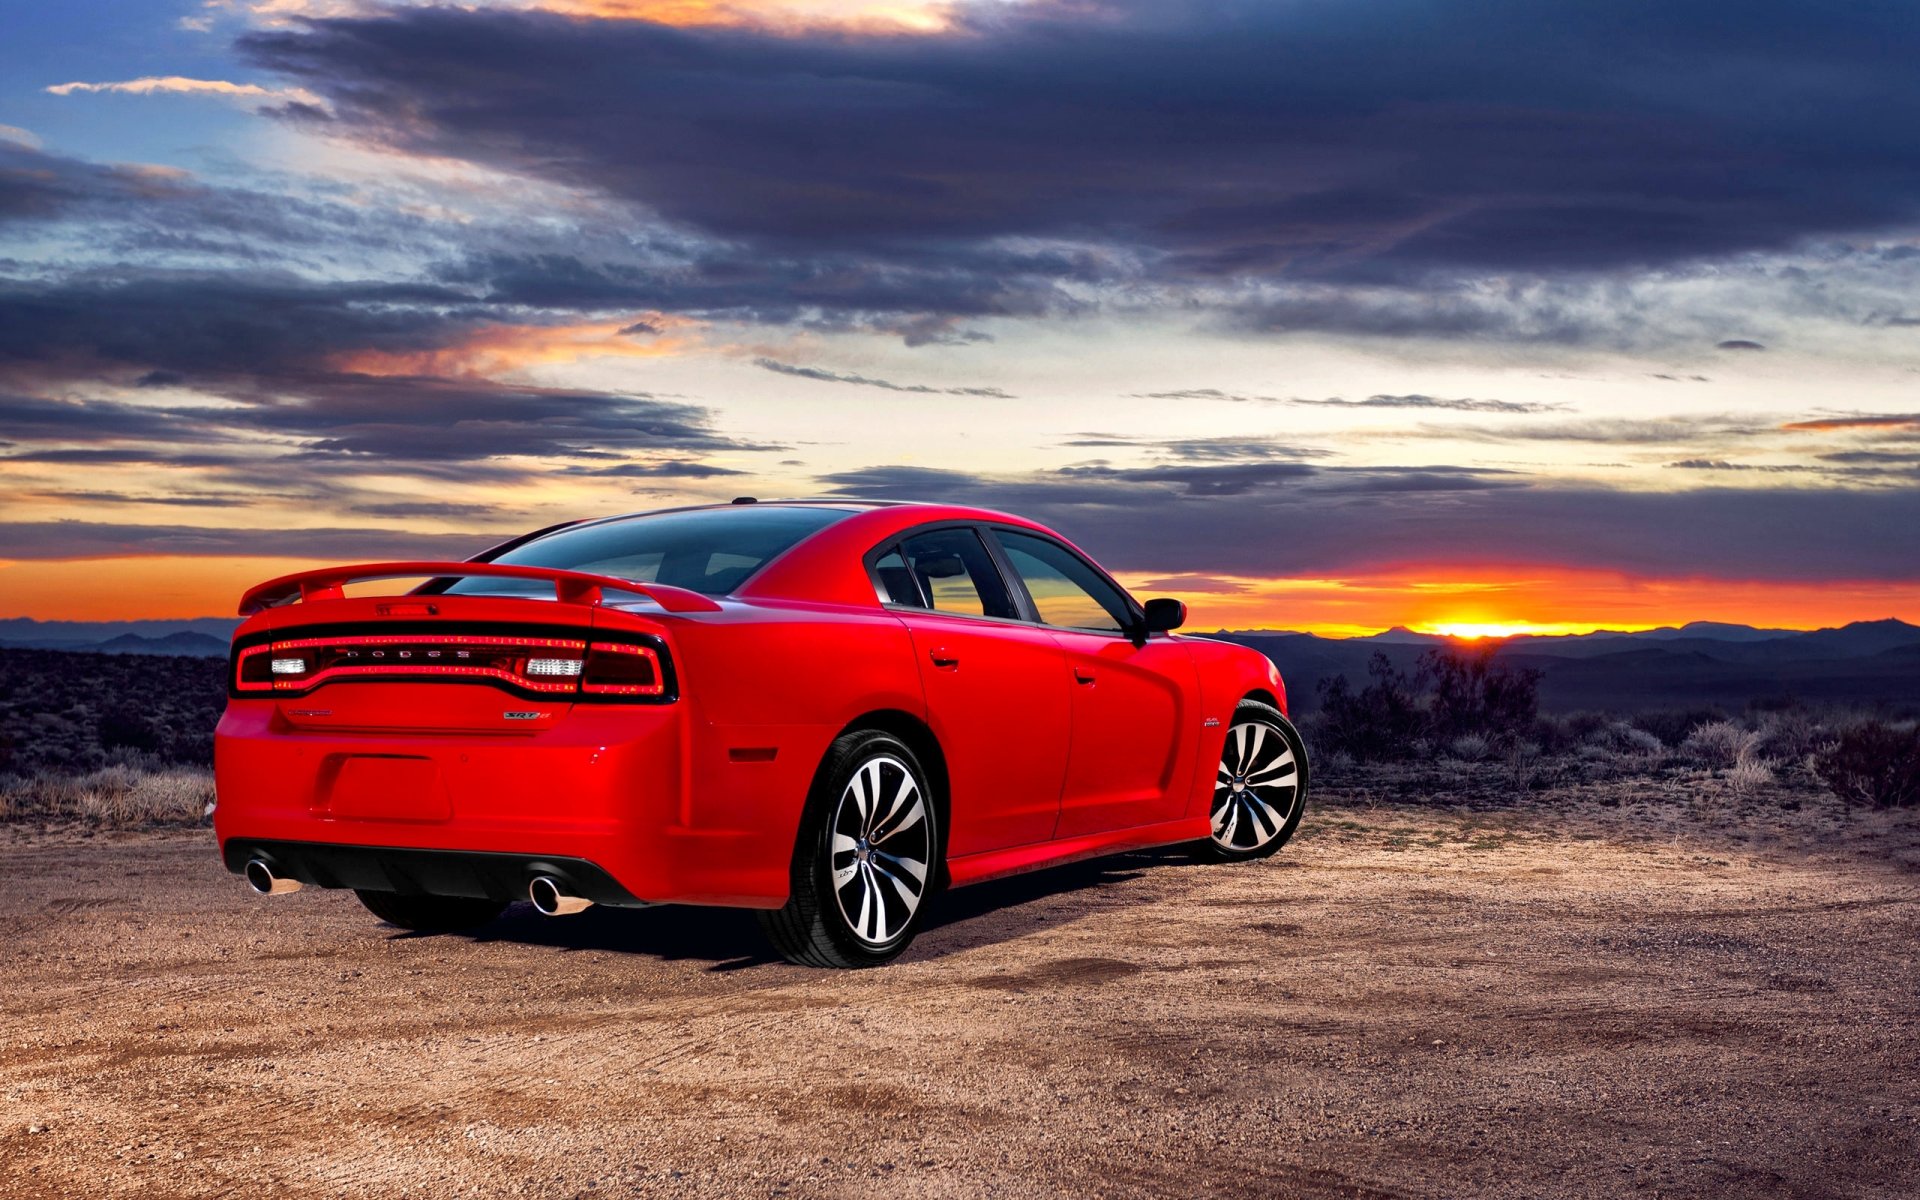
569 587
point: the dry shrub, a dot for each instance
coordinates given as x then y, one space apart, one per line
1791 735
1470 747
1717 744
1749 775
1672 725
115 797
1620 737
1875 764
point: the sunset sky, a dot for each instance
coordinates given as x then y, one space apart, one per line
1320 314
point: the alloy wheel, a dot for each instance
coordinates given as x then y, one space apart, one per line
881 844
1256 789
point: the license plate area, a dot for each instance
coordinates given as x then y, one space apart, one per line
380 787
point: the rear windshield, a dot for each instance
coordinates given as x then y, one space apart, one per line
710 550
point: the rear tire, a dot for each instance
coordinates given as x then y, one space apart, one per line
865 860
1260 786
431 914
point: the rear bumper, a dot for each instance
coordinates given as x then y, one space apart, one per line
643 801
480 874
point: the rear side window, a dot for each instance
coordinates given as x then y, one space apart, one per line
893 580
709 550
954 573
1067 592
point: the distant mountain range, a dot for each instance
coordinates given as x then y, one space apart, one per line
206 636
1701 663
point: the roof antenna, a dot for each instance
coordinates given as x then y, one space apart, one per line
746 500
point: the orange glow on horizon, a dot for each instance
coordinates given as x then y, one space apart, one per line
1468 604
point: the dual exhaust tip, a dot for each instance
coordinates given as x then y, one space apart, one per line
260 878
549 895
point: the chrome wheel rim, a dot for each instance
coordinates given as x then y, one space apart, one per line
1257 787
882 841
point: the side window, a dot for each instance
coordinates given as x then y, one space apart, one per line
956 574
893 582
1066 590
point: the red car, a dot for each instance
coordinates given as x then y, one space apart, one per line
824 710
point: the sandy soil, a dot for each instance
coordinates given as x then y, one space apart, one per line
1403 1003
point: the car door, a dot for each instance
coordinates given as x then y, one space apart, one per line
998 696
1135 723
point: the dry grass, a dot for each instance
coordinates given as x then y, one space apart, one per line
116 797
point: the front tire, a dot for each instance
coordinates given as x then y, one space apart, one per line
865 860
1260 786
431 914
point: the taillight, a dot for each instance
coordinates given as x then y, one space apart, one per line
545 666
614 669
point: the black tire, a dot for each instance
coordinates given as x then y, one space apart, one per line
870 913
1260 786
431 914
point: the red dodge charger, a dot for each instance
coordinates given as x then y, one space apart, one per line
824 710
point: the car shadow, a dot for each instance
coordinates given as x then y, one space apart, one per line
729 939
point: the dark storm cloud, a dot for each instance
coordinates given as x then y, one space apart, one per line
1224 140
1315 526
822 375
36 185
415 421
176 328
268 346
61 540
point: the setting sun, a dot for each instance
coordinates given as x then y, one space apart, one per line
1470 631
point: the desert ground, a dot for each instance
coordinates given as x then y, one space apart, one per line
1554 999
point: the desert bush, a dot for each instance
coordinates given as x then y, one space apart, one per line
1875 764
1791 734
117 796
76 712
1749 774
1451 695
1468 693
1673 725
1470 747
1380 721
1717 744
1524 765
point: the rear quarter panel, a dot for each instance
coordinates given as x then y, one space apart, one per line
769 687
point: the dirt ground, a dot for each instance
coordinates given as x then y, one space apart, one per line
1403 1003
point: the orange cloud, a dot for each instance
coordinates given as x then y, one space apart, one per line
180 84
877 16
498 349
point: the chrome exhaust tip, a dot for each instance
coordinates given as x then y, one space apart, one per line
550 896
260 878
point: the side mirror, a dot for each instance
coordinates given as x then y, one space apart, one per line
1164 615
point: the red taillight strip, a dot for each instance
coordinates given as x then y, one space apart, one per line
528 683
429 639
656 688
240 671
521 681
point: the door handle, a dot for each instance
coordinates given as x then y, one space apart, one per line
944 658
1082 675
